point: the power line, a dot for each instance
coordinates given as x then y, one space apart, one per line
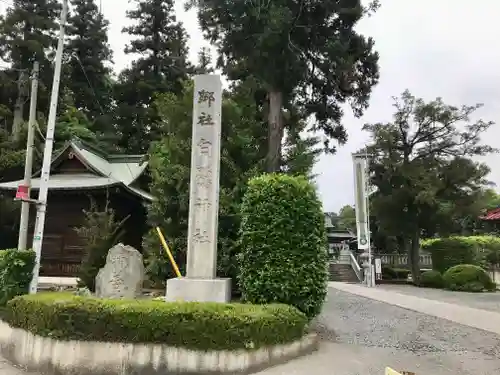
89 83
93 92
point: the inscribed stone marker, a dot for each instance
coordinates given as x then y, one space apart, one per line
123 274
200 283
204 187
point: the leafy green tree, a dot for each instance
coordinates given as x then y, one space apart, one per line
421 161
347 216
488 200
89 73
8 97
304 53
73 123
464 217
11 168
12 156
9 222
161 43
28 33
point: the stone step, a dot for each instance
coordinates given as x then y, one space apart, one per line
342 272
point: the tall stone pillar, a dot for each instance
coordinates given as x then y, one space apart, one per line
200 283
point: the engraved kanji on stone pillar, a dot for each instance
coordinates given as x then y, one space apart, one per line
204 186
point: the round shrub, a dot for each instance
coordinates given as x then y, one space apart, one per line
283 244
468 278
431 279
191 325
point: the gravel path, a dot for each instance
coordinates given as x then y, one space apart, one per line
483 301
433 344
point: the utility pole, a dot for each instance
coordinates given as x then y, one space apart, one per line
47 154
28 165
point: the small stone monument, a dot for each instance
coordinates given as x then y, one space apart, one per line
123 274
200 283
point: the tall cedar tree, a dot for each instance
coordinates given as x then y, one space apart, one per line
307 53
300 151
161 43
89 73
204 62
422 161
28 33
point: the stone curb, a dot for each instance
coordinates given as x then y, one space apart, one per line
55 357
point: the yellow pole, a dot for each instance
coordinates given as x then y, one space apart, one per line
165 246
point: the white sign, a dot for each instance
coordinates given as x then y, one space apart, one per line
360 183
378 265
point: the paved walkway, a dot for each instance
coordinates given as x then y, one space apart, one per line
472 317
482 301
7 369
343 359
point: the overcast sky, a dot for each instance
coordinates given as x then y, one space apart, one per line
446 48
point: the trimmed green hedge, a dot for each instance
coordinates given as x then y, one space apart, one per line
197 326
468 278
16 272
431 279
283 244
448 252
452 251
394 273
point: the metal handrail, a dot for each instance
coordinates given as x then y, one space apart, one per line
355 266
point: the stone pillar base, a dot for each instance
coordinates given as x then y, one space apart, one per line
198 290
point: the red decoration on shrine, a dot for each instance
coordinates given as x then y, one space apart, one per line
492 215
22 192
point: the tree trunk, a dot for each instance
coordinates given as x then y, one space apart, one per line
18 108
18 119
414 257
275 124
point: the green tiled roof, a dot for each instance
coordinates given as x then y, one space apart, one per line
109 170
